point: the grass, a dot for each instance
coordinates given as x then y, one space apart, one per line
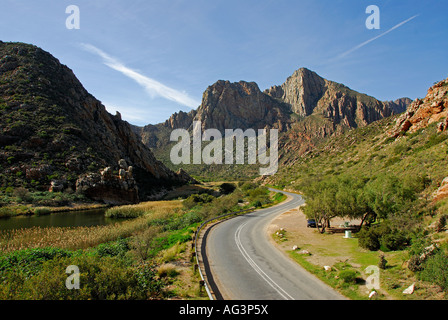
393 279
159 234
86 237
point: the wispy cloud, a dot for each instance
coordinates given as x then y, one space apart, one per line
375 38
153 87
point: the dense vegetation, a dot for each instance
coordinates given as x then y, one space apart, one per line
124 260
385 184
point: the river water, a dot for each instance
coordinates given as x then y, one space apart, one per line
87 218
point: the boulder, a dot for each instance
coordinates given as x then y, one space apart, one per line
442 192
409 290
57 186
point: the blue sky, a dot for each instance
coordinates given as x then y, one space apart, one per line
149 59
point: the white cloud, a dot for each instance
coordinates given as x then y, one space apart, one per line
375 38
151 86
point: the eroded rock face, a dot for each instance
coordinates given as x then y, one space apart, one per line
421 113
301 91
307 93
240 105
442 192
109 187
306 109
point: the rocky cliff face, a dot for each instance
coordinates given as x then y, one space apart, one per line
240 105
53 133
307 93
302 91
421 113
306 109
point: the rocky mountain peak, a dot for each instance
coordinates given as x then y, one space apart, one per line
227 105
302 90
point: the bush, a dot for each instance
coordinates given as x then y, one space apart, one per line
125 212
41 211
22 194
100 279
369 239
435 270
384 237
415 264
394 240
227 188
348 276
441 224
113 249
245 187
196 199
29 261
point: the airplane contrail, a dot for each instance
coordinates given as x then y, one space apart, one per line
375 38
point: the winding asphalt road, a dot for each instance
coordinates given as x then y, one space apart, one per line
242 263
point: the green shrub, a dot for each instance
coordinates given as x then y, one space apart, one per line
22 194
41 211
124 212
196 199
435 270
113 249
348 276
369 239
100 279
227 188
394 240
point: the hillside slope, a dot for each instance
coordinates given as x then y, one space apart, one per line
411 145
54 135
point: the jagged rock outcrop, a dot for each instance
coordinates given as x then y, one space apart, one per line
240 105
442 192
306 109
109 187
307 93
421 113
55 134
301 91
398 106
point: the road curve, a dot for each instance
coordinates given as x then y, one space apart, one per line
242 263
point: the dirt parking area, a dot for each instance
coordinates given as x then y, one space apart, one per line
325 249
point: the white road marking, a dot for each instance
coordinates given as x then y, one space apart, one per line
252 263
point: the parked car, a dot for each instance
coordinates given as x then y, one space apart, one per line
311 223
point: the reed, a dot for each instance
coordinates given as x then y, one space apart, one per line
86 237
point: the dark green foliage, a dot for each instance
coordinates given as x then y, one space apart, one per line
435 269
113 249
382 264
197 199
29 261
383 236
227 188
348 276
369 239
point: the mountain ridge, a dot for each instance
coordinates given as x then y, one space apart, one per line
306 108
57 136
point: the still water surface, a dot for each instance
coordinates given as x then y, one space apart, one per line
86 218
